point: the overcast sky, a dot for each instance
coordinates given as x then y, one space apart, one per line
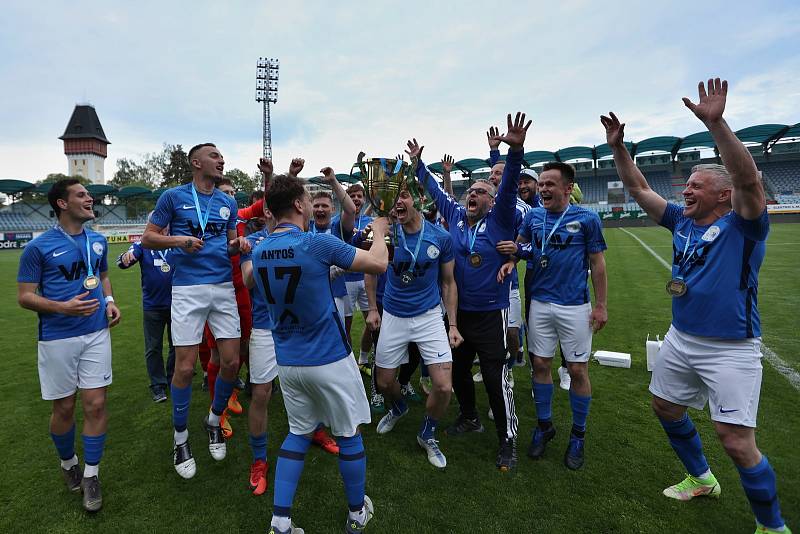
369 75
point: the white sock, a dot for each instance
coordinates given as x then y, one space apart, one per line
67 464
706 474
360 515
281 522
213 419
363 358
181 437
91 470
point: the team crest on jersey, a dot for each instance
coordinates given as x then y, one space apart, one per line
460 225
433 252
711 234
225 212
573 227
482 227
98 248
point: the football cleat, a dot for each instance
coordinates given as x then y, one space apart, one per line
183 460
539 442
507 455
234 406
355 527
409 394
426 384
760 529
225 424
431 447
387 422
376 403
216 441
73 477
291 530
573 457
691 487
564 379
159 394
462 425
92 497
477 377
323 440
258 477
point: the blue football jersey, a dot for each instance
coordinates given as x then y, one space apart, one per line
422 294
335 229
59 267
565 279
291 269
478 289
360 223
176 208
721 273
156 284
261 317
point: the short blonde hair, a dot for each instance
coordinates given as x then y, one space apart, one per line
722 177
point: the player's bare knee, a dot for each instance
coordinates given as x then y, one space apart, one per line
94 407
666 410
64 409
541 366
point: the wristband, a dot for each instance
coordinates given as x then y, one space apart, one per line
109 298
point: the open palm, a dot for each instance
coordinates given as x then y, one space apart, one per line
517 130
712 101
615 132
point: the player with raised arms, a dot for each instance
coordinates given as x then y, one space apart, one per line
319 381
202 221
712 351
412 313
481 317
63 277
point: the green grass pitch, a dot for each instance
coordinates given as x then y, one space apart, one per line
628 459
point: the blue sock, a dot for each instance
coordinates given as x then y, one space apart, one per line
428 428
686 443
353 467
580 411
65 443
222 392
399 407
291 459
543 398
181 397
759 486
93 448
259 446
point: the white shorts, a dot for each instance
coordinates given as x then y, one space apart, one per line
263 367
550 324
331 394
343 307
426 330
514 309
691 370
358 296
193 306
80 362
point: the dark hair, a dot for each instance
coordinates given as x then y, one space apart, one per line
355 187
224 181
322 194
283 191
255 196
195 148
567 171
59 191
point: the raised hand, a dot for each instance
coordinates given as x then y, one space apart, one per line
517 130
493 137
380 227
614 130
447 163
296 167
712 102
328 176
414 150
265 166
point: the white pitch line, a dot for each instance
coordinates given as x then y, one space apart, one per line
786 370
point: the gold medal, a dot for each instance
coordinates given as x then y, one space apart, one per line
91 282
165 268
475 259
544 261
407 277
677 287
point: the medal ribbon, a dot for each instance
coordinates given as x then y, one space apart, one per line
474 235
163 254
89 269
414 254
203 221
545 241
685 266
289 225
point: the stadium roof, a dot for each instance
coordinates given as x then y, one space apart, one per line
12 187
761 133
575 152
605 150
698 140
664 143
84 124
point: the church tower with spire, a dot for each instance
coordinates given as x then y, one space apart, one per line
85 144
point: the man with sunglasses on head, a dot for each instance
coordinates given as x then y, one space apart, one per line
482 304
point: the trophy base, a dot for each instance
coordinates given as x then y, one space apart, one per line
366 244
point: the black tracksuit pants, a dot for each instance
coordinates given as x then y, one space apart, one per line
484 333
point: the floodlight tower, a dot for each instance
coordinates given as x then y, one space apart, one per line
267 93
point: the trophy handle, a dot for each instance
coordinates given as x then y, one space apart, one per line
360 165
